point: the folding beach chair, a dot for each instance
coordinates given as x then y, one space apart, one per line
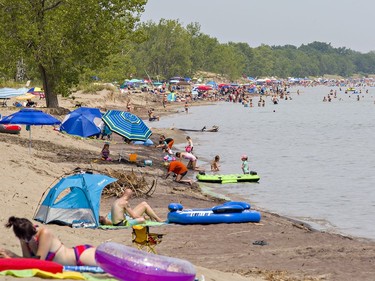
142 238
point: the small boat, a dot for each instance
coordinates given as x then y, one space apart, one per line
230 178
229 212
204 129
10 129
350 89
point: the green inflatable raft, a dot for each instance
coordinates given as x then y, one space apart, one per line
233 178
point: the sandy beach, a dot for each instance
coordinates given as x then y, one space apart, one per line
293 251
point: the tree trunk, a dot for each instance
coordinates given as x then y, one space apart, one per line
51 97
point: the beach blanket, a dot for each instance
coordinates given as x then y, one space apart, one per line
147 223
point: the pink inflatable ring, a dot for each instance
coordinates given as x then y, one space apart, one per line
130 264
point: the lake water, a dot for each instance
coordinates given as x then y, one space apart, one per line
316 159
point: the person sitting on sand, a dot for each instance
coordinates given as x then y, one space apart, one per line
192 160
41 243
30 103
151 116
106 152
179 169
215 167
123 215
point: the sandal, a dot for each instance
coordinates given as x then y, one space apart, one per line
260 243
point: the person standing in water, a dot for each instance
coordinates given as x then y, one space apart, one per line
215 167
190 145
186 107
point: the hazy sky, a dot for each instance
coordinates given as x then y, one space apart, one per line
343 23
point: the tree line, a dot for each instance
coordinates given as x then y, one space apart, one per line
65 42
170 49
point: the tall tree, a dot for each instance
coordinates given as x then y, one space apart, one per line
61 38
167 50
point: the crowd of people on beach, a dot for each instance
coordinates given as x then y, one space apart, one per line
41 243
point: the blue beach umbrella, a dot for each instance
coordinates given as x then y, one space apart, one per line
127 125
83 122
6 93
30 117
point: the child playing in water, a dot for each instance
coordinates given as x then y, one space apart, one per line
105 152
190 146
245 164
215 167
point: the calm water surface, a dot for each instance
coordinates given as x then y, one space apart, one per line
316 159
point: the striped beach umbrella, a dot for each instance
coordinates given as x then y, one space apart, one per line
37 91
127 125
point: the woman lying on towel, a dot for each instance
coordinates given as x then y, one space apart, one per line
40 243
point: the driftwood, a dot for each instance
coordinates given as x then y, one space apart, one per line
138 184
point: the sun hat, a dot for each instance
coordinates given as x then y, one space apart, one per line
244 156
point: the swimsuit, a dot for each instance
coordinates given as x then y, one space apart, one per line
129 221
122 223
78 251
50 255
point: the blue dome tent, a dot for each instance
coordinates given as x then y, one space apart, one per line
80 202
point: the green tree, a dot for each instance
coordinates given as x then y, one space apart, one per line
62 38
203 47
228 61
166 52
263 63
248 56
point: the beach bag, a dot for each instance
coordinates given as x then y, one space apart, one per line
188 148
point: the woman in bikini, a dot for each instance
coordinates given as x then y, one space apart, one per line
40 243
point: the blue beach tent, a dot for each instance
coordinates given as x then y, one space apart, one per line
75 198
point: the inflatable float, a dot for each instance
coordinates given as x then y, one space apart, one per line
28 263
10 129
148 142
130 264
231 178
229 212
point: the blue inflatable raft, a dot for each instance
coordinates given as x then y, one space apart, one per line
229 212
148 142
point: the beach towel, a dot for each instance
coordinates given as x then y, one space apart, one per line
27 273
147 223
